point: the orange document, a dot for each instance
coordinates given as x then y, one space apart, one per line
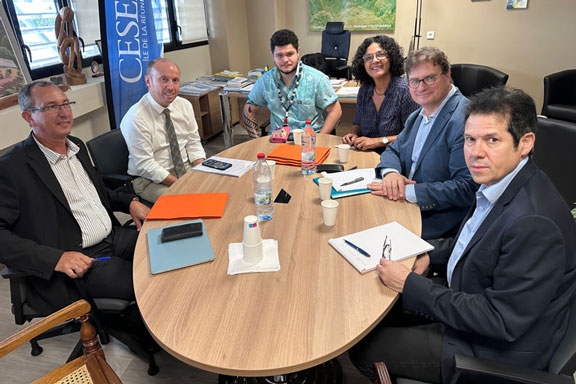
287 154
189 206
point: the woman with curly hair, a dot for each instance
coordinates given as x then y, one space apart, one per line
383 101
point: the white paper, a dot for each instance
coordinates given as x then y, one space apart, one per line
270 262
404 243
238 168
348 92
339 178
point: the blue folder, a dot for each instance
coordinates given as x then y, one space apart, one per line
336 195
178 253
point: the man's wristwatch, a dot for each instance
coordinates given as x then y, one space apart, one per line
385 140
135 198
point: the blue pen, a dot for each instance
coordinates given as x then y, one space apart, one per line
357 248
101 258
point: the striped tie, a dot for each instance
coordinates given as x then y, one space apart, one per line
174 148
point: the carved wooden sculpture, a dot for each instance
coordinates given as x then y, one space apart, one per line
68 47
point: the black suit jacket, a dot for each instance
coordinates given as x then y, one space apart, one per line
512 289
37 225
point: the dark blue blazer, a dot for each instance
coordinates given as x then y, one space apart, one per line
444 188
37 225
513 286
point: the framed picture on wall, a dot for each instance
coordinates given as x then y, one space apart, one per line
14 73
517 4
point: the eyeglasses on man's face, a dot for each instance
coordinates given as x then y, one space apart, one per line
53 108
428 80
369 57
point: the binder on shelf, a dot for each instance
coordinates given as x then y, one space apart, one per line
177 254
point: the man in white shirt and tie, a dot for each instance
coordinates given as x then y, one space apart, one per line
161 133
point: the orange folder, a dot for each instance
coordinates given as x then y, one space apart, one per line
189 206
292 154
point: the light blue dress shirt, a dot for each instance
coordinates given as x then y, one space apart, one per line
486 197
313 94
421 136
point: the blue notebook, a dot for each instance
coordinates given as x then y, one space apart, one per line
336 195
178 253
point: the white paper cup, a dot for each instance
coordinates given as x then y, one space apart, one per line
343 151
253 254
297 134
325 186
329 211
251 231
272 165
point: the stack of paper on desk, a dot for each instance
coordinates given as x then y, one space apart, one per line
360 187
287 154
404 243
188 206
238 168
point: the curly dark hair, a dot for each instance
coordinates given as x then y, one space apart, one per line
283 37
393 53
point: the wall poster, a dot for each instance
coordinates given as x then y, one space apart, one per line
357 15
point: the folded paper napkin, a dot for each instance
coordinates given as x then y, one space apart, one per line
269 263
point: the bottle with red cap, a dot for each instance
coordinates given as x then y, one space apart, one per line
308 161
263 189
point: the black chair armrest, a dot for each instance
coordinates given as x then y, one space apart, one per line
263 127
115 181
466 365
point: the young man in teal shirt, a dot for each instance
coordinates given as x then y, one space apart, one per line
292 91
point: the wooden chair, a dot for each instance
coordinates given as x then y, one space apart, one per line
89 368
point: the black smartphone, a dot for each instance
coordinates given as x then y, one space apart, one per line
181 232
219 165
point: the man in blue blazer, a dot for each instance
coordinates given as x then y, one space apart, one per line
511 271
425 164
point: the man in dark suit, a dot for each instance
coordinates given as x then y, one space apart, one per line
425 165
55 213
511 271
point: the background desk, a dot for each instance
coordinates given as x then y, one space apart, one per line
233 106
313 309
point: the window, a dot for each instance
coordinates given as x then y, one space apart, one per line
183 26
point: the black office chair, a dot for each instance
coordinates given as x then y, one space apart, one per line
105 313
472 78
560 96
110 156
554 153
335 48
471 370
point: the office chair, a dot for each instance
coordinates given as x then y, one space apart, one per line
471 370
104 312
560 96
554 153
335 48
89 368
472 78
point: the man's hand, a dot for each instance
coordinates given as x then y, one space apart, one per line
138 211
393 186
393 274
421 264
349 138
198 161
367 143
73 264
169 180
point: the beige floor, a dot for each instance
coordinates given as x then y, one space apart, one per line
21 367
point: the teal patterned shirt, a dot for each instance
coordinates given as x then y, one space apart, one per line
313 94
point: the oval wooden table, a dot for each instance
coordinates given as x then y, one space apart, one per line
259 324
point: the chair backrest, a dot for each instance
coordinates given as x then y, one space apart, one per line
559 95
564 359
472 78
554 153
315 60
335 41
109 153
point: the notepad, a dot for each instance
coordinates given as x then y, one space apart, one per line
334 194
405 244
287 154
178 253
188 206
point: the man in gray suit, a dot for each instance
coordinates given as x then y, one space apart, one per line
425 164
511 271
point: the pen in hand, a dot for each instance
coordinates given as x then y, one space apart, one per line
357 248
100 259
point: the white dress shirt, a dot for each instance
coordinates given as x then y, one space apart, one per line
144 132
80 193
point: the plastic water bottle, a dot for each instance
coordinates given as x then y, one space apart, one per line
308 161
263 189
